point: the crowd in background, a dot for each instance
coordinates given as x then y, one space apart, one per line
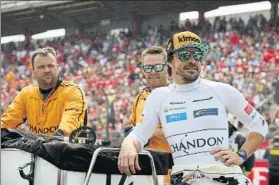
107 66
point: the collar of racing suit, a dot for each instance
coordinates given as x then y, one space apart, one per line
188 87
46 93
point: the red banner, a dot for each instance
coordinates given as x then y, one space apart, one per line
259 174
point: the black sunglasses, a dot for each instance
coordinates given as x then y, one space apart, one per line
156 67
185 55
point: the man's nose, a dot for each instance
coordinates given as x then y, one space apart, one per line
47 69
191 60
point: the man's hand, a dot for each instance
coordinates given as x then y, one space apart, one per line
128 159
227 156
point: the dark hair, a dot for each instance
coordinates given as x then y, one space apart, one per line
169 71
169 55
43 52
169 50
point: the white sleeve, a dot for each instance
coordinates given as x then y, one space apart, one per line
242 110
150 118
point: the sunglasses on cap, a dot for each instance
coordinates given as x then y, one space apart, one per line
185 55
156 67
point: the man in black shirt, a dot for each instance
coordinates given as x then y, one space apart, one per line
272 154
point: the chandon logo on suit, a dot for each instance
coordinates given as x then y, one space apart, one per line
191 144
45 130
185 145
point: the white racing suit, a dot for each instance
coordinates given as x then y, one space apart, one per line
194 119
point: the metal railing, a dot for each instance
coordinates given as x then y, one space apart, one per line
105 149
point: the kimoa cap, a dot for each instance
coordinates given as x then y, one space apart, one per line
186 39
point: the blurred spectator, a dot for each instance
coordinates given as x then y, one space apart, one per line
273 159
268 118
275 84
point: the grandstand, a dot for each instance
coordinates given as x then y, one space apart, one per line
102 41
19 16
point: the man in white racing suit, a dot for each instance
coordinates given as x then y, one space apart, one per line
194 117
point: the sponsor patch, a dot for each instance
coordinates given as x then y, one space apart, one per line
253 116
176 117
72 109
248 109
177 108
177 103
205 99
206 112
167 109
263 121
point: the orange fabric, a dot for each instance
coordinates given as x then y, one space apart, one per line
167 178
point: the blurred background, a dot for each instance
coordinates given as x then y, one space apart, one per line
99 45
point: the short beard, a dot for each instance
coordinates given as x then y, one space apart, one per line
190 79
51 84
187 79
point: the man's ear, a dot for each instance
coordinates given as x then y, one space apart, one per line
169 69
169 64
